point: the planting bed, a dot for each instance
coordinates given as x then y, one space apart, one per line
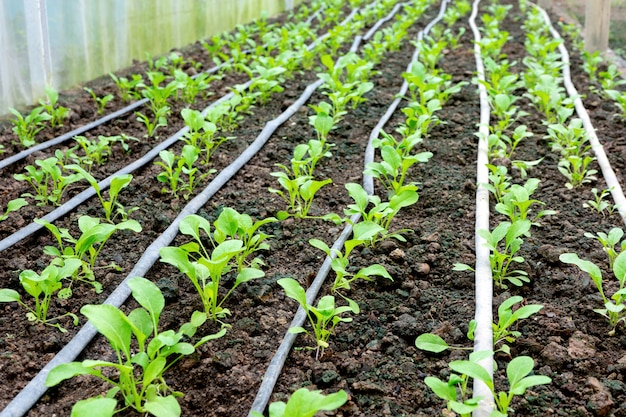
373 358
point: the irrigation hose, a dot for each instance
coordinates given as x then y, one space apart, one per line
483 279
82 129
278 360
610 178
31 393
145 159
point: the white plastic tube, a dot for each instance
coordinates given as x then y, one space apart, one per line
605 166
483 335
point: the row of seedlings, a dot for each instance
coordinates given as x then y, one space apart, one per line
185 223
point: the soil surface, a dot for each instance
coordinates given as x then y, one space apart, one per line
373 358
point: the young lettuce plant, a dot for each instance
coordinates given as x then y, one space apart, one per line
615 307
502 332
339 264
57 113
201 133
101 102
141 362
159 120
118 183
503 256
377 220
41 287
323 318
97 151
27 127
86 248
48 181
13 205
599 204
206 271
305 403
609 241
515 203
128 88
174 167
233 225
518 373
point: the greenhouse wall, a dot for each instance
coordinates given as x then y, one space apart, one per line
60 43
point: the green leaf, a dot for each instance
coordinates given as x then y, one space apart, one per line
472 370
8 296
112 323
443 390
66 371
163 406
153 371
305 403
619 267
248 274
148 295
94 407
431 343
293 290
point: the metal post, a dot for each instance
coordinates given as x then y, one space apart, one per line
545 4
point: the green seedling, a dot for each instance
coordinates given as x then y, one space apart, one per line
41 287
502 332
189 88
518 374
340 262
97 151
48 181
455 390
305 403
177 168
143 353
377 219
615 307
267 81
112 208
515 203
591 61
201 133
323 318
298 191
13 205
86 248
609 241
159 120
395 164
599 204
504 255
101 102
576 169
206 271
128 88
27 127
157 95
620 100
499 182
419 118
611 79
524 166
233 225
57 113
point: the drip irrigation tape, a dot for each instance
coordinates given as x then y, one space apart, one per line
483 335
610 178
82 129
278 360
145 159
30 394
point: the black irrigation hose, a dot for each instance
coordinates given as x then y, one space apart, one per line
278 360
82 129
31 393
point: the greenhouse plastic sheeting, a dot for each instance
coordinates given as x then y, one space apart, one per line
60 43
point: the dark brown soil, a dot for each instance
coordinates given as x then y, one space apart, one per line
373 358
